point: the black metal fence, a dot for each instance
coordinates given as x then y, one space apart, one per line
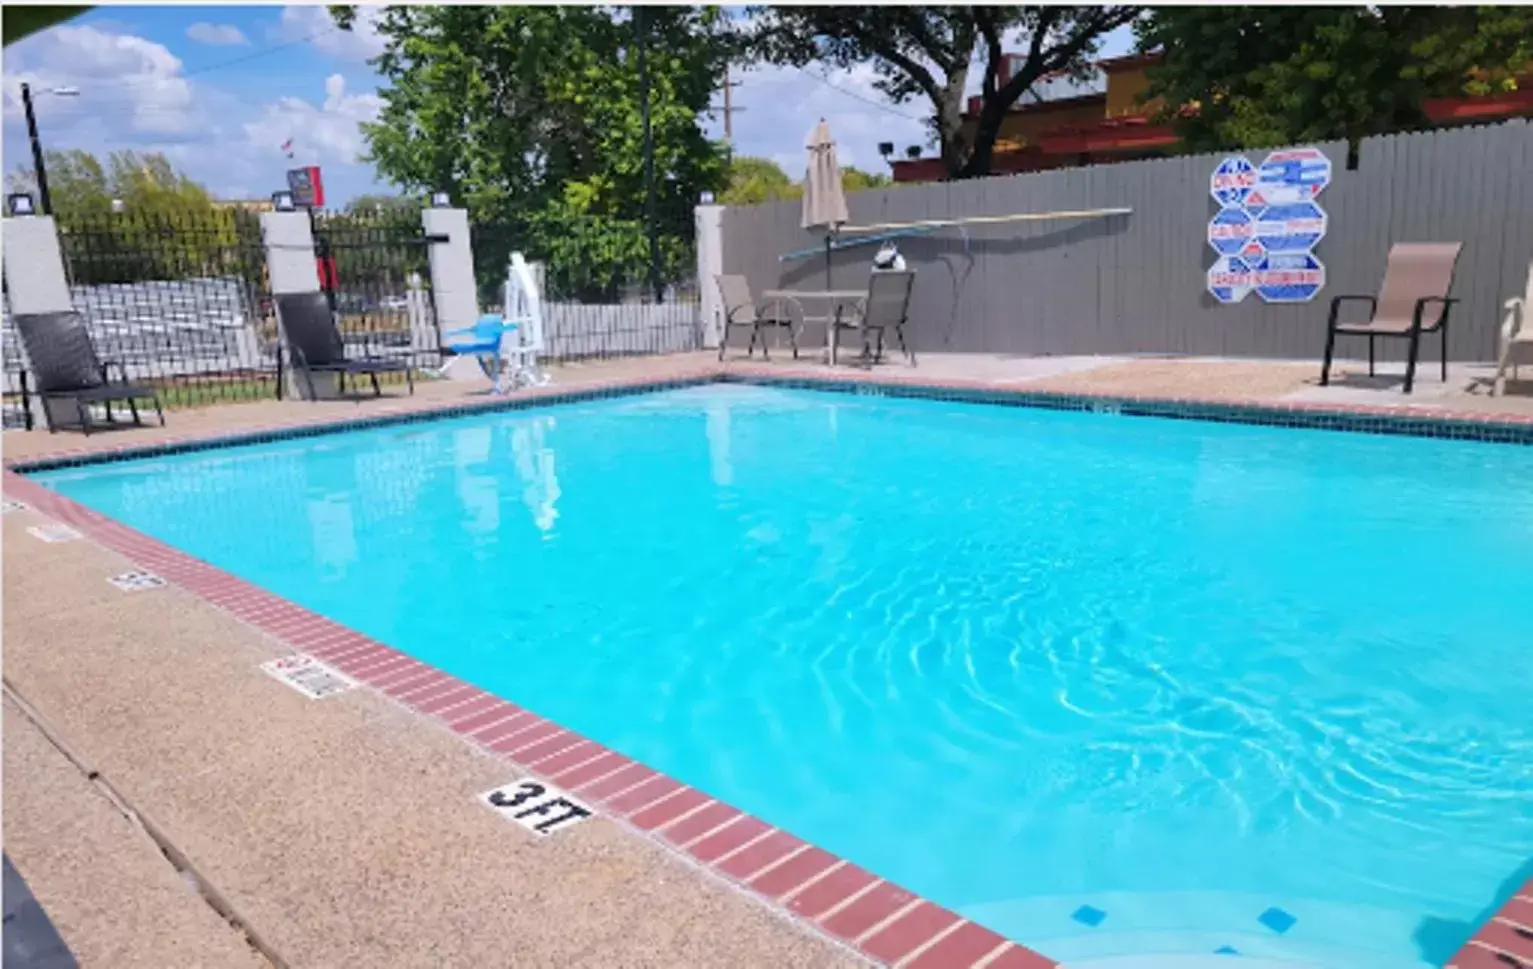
184 302
375 268
601 298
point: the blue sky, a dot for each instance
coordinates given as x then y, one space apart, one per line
218 89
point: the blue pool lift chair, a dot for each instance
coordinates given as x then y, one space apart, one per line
482 341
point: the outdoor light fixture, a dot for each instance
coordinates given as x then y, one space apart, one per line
282 201
441 200
20 203
705 199
118 205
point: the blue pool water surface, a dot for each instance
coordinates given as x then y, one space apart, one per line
1119 688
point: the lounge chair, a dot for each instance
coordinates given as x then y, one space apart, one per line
1516 336
1414 300
886 307
65 368
315 345
741 310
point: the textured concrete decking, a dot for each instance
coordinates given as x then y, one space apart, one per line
346 831
108 889
339 832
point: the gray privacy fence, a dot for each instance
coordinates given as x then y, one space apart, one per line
1137 283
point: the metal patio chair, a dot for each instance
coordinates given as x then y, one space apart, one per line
315 345
741 310
1413 300
66 369
886 307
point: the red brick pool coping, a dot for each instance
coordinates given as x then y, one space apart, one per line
883 922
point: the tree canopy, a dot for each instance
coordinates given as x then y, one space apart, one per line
753 181
929 52
1260 76
168 226
530 116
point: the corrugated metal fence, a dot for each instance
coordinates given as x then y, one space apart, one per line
1136 283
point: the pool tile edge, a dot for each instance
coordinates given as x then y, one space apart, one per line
774 867
1364 418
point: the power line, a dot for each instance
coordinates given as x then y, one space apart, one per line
854 95
244 58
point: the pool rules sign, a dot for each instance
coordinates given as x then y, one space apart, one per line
1268 225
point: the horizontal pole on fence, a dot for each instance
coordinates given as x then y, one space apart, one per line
990 219
903 230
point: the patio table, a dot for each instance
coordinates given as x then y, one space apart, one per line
835 300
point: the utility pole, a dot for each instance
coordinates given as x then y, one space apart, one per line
640 27
729 109
38 166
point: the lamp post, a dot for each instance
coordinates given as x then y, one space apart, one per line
37 143
641 30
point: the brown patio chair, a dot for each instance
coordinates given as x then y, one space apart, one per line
741 310
887 306
1414 300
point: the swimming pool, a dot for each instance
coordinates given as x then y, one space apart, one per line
1112 686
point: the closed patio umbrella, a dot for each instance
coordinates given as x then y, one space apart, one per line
824 198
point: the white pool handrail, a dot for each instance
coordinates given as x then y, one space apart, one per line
524 311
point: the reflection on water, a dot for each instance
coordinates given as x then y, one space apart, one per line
472 452
535 468
717 412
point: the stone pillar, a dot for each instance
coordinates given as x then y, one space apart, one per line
34 266
291 266
453 289
710 262
454 293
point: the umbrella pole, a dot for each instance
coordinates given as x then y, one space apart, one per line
827 258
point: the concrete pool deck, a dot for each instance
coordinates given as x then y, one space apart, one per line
347 830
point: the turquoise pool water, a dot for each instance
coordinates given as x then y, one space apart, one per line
1113 686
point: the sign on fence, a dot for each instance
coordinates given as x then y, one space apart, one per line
1268 225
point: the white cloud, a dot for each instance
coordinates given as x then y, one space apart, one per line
217 35
328 132
315 26
122 79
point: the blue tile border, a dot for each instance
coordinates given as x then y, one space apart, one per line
1277 414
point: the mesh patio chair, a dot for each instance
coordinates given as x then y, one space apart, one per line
315 345
741 310
886 307
1414 300
66 369
1516 336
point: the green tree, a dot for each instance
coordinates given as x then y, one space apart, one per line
929 52
857 180
753 181
529 116
164 225
1269 75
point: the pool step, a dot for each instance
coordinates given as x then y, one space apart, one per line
1102 930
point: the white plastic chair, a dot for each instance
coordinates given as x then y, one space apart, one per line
1516 335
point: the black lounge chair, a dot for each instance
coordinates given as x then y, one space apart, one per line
315 345
65 368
